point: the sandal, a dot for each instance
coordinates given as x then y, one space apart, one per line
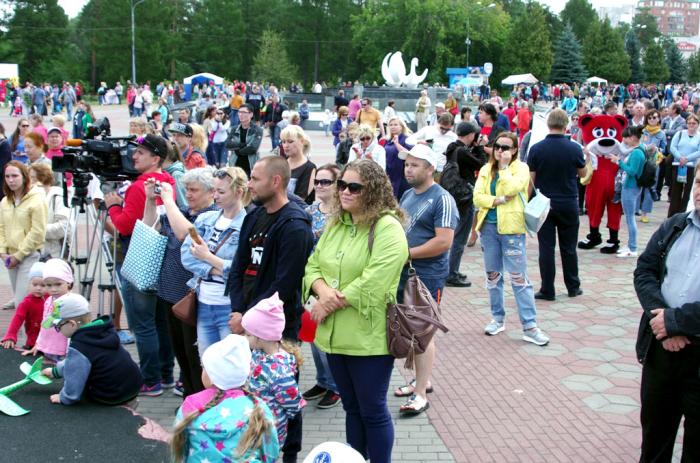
407 390
414 406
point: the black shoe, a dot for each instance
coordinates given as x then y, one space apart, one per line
458 283
590 242
611 248
575 292
461 276
330 400
544 297
315 392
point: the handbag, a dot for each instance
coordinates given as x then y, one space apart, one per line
411 325
185 309
536 211
144 257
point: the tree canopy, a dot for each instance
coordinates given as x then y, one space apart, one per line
581 15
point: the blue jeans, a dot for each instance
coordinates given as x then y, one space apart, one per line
150 327
645 203
460 240
368 425
275 136
233 117
324 377
629 207
212 324
69 112
507 252
219 153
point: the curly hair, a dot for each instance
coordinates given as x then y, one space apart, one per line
377 196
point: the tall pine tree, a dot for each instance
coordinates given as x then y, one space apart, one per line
674 60
694 67
633 50
655 66
604 53
568 61
271 62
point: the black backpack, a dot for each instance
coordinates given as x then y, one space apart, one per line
460 189
647 177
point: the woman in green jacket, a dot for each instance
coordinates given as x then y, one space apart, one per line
500 194
353 287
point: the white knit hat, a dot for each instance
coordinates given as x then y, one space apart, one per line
227 362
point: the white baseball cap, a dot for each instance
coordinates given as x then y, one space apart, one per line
421 151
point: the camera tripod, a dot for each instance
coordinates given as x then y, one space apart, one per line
89 266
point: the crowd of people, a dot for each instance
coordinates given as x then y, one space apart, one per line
280 250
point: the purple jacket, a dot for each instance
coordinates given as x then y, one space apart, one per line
394 165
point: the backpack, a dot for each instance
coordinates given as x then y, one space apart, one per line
460 189
647 176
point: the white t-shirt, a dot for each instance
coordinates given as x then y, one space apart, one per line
211 290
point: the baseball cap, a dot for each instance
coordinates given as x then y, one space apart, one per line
179 127
465 128
69 305
155 144
420 151
440 105
53 129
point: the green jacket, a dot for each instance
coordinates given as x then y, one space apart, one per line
368 282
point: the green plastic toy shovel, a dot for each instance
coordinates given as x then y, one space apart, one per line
33 374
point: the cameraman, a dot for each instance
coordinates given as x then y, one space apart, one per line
151 344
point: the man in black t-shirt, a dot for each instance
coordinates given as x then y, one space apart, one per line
274 245
340 100
554 165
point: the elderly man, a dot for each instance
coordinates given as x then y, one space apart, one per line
666 282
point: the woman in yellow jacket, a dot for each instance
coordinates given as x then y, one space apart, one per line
23 216
500 194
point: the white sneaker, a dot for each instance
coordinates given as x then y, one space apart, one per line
536 336
494 327
623 250
627 253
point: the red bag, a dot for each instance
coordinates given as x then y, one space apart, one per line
307 333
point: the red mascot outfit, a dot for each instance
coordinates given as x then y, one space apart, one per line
602 135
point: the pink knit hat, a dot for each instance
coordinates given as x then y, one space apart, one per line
266 319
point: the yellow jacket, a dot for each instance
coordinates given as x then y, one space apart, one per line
511 182
23 227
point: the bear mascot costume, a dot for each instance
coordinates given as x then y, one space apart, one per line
601 135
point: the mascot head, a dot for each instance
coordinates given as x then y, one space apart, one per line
601 133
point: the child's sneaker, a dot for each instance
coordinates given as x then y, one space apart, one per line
152 391
125 337
167 384
179 389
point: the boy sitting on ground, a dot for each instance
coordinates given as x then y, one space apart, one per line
96 365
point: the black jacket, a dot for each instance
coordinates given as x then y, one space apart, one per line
290 242
648 278
274 116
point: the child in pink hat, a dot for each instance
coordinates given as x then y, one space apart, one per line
273 368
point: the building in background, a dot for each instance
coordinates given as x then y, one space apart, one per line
617 14
677 18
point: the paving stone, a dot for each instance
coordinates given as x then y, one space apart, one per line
608 311
621 344
611 403
620 370
586 383
597 353
560 326
605 330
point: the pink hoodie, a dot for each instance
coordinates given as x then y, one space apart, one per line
50 341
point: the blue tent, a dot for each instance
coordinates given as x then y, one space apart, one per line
202 78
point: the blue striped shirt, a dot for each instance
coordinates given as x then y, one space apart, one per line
680 285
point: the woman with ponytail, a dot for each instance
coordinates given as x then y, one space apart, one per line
224 422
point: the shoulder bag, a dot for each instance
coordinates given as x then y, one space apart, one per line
185 309
536 210
144 257
410 326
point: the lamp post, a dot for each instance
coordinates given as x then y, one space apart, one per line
468 42
134 4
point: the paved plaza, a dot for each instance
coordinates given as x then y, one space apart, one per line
498 398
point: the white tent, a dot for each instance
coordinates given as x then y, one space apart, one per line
520 79
596 80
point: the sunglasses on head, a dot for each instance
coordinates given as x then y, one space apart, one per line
499 147
222 173
323 182
353 188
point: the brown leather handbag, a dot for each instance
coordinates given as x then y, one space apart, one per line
411 325
185 309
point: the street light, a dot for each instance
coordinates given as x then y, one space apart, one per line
134 4
469 42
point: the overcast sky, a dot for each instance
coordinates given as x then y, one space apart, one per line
73 7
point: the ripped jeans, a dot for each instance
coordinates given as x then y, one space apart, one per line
507 252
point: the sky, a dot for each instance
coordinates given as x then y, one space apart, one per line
73 7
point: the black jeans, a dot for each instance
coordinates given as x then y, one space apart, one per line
292 444
670 390
184 339
562 221
680 192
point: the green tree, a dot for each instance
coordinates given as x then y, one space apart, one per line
694 67
34 38
655 66
581 15
568 61
633 50
604 53
534 51
271 63
646 28
675 61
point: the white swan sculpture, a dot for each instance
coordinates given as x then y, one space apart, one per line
394 71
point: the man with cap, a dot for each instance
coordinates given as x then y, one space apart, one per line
439 110
433 218
466 157
54 142
96 364
182 136
149 327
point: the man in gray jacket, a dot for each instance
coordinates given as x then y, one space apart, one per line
244 140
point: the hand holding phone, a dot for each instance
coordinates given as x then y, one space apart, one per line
193 234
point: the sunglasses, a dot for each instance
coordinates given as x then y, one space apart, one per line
444 129
24 126
365 138
498 147
323 182
222 173
654 117
353 188
60 325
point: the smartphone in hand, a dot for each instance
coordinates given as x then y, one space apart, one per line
193 234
